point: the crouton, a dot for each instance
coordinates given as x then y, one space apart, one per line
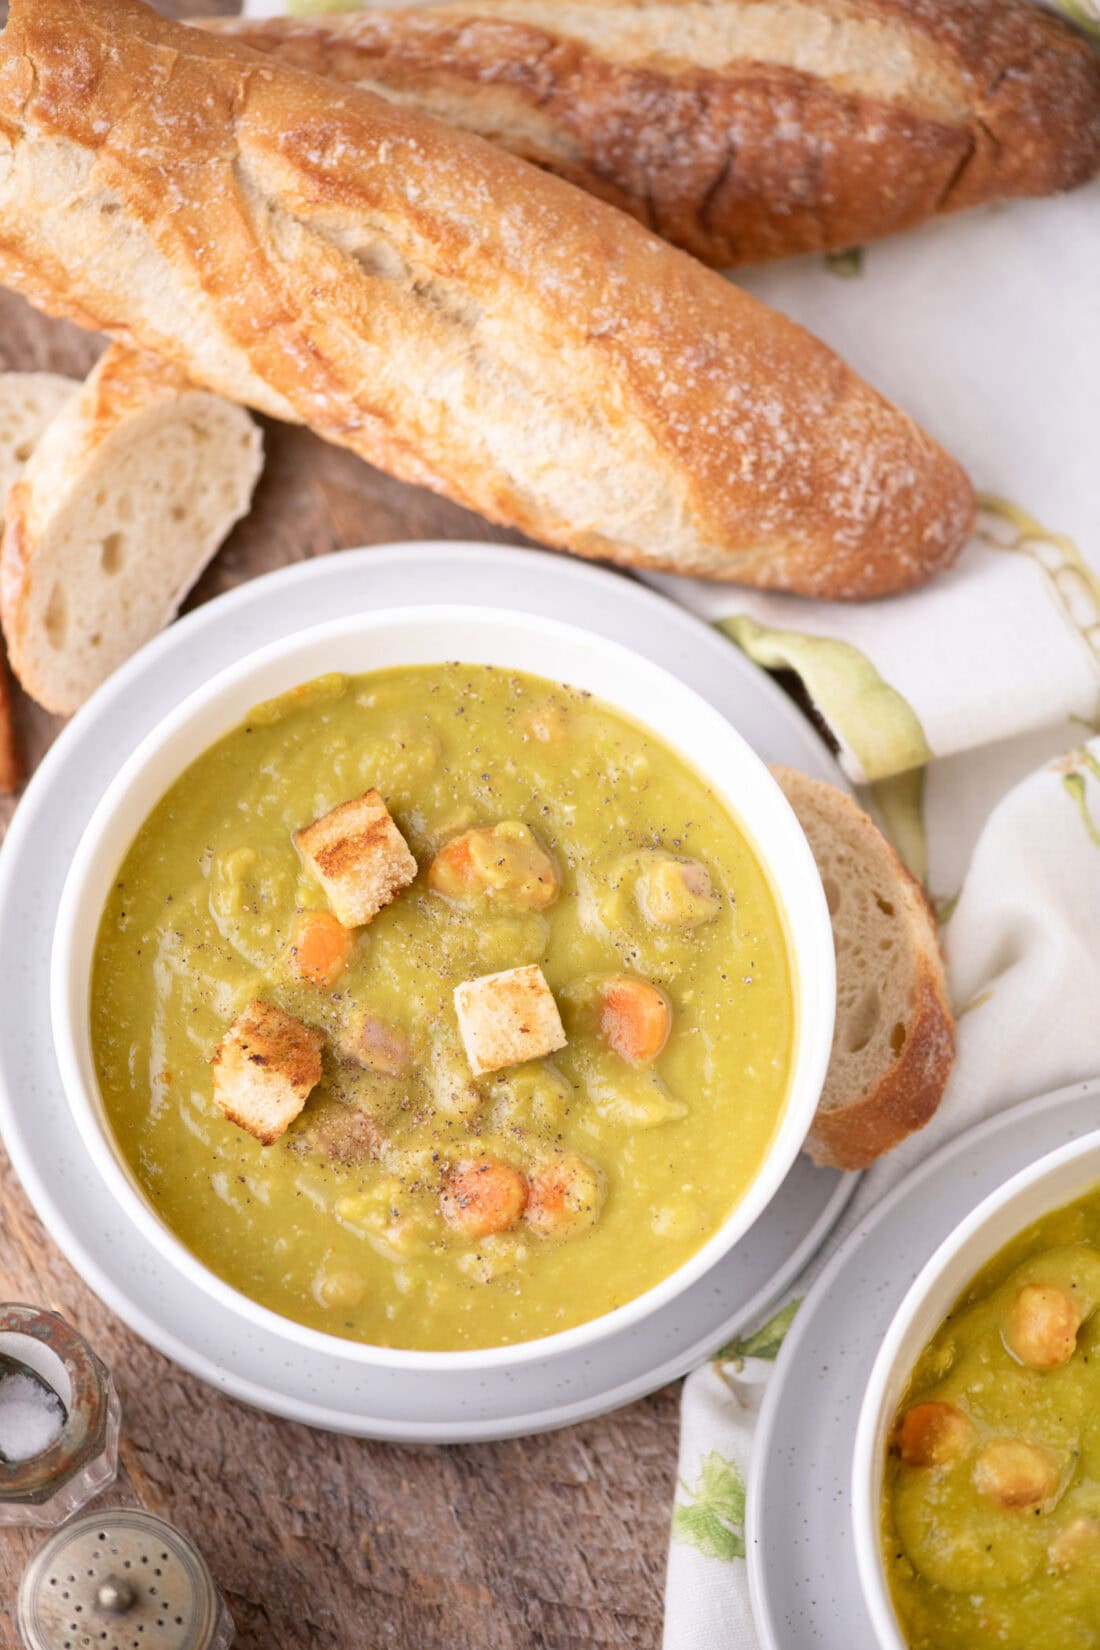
358 856
266 1066
507 1018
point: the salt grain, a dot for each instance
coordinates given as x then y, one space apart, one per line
31 1417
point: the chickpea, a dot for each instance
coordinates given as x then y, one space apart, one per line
565 1196
1042 1326
483 1196
1013 1473
1077 1545
676 893
934 1435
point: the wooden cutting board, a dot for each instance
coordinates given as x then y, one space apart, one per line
326 1543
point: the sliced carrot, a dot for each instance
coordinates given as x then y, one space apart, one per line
321 948
635 1018
934 1435
483 1196
452 871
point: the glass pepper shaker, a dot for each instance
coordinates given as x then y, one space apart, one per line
119 1578
59 1419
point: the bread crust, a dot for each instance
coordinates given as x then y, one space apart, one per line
745 157
12 769
851 1133
447 311
908 1096
123 382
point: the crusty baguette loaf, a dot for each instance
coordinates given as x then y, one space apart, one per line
741 129
894 1043
449 312
127 495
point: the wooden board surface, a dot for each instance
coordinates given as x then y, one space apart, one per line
325 1543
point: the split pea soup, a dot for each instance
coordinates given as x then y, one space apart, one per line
442 1008
991 1500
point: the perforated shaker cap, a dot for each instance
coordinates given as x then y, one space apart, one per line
121 1579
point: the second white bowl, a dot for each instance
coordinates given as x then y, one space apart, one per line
1046 1185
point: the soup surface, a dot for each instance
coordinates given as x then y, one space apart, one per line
991 1507
413 1203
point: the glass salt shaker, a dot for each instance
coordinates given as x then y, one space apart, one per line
119 1578
59 1419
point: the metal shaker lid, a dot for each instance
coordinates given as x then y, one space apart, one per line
121 1579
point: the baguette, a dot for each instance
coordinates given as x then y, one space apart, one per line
741 130
130 491
447 311
894 1043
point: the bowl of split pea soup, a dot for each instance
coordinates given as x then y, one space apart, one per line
444 984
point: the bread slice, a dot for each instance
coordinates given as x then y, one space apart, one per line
894 1043
739 129
449 312
29 401
127 496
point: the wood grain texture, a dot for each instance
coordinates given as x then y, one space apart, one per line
326 1543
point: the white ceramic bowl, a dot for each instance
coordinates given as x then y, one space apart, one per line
1042 1187
427 635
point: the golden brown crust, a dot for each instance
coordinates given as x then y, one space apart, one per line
316 255
753 159
12 771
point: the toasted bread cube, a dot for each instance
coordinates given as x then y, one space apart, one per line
358 856
266 1066
507 1018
